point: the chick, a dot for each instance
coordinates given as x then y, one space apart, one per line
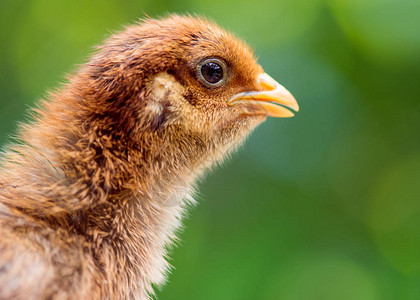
92 195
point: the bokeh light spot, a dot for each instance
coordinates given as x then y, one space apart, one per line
394 211
323 277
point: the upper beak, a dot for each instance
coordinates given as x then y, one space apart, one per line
272 92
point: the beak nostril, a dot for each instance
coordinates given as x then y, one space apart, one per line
266 82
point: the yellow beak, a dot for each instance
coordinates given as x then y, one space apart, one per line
263 101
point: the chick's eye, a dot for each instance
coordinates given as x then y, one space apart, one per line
212 72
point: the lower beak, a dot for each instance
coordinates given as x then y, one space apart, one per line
266 101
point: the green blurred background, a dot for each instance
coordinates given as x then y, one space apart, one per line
325 205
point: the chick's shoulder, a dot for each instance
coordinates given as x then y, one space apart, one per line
92 194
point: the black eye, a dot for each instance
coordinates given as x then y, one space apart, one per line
212 72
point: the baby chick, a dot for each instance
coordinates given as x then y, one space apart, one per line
92 195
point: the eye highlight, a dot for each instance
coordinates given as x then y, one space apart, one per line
212 72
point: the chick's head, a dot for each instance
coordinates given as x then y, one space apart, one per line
184 76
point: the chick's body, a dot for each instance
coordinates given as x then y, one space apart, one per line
94 193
